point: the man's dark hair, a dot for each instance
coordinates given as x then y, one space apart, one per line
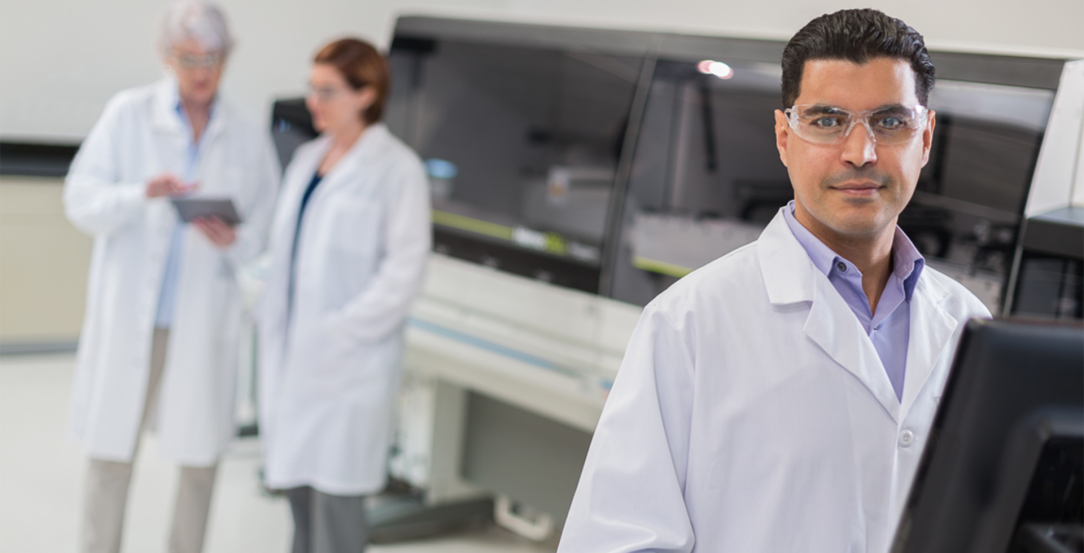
857 36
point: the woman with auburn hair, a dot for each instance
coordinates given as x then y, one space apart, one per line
349 243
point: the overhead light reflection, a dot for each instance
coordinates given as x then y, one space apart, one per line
717 68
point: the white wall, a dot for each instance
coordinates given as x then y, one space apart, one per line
60 60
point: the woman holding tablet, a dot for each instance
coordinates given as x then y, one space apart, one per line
163 317
349 243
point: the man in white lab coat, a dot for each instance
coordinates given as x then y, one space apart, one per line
779 398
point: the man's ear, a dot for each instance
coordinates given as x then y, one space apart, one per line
781 135
927 136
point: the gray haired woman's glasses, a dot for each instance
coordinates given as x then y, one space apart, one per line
821 124
205 61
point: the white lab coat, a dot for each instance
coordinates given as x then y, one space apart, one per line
752 414
140 135
329 370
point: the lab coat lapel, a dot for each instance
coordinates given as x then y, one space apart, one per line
834 327
220 111
364 149
338 176
790 277
165 116
299 174
931 331
301 170
297 178
168 129
169 157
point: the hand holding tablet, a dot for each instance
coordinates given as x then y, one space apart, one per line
218 232
192 208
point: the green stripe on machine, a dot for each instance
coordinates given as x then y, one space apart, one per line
661 267
472 225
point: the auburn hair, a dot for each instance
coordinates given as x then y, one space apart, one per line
362 65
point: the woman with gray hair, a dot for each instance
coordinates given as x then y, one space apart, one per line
163 318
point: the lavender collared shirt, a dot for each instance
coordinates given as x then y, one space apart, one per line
890 327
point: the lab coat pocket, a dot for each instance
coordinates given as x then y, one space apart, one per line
356 227
344 365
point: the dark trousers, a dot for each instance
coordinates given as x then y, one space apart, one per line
325 523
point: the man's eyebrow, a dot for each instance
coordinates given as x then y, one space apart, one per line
819 109
893 108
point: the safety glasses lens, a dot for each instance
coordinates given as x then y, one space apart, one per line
829 125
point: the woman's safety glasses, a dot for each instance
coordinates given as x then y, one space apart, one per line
195 61
822 124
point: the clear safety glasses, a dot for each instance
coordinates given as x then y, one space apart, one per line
822 124
325 93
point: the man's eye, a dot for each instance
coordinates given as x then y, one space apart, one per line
890 122
826 122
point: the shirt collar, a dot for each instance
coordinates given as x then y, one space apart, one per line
907 261
178 107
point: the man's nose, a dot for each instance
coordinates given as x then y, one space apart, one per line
859 146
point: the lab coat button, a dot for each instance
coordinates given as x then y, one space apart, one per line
907 438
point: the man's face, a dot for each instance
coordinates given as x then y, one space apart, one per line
855 189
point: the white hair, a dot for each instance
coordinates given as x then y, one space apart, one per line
198 20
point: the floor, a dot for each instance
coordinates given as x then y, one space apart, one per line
41 479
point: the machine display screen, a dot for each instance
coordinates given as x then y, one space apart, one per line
521 146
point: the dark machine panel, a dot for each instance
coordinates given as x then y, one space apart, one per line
291 126
1050 281
522 145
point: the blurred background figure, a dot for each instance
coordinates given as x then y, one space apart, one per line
349 245
160 337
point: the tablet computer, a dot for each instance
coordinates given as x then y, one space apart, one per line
191 208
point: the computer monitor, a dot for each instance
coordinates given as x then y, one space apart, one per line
1003 470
